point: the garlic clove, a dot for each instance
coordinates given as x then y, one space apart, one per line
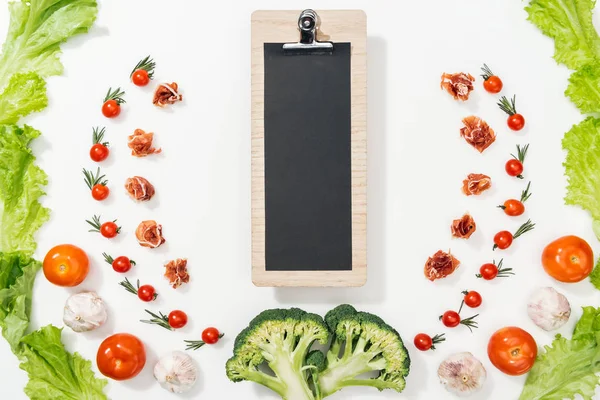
84 312
548 309
176 372
462 374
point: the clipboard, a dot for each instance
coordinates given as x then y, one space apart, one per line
309 148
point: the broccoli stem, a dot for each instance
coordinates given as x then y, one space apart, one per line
291 376
266 380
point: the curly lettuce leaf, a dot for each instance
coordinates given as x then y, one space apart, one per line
582 167
17 274
54 373
569 23
568 367
21 182
25 93
37 29
584 88
595 275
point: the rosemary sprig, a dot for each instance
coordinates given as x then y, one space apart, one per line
525 194
437 339
95 223
487 73
160 320
108 258
147 64
92 180
521 153
196 344
470 322
526 227
133 289
508 106
116 95
98 136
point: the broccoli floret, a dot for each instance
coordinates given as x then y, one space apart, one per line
315 364
362 343
281 338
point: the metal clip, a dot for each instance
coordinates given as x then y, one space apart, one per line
308 23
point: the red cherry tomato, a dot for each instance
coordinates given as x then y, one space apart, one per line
503 240
516 122
210 335
111 109
122 264
493 84
99 152
513 207
450 319
140 77
100 192
514 167
109 229
472 298
488 271
177 319
146 293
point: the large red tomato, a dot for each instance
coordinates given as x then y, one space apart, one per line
568 259
512 350
121 356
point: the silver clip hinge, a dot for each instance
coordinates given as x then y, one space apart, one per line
308 24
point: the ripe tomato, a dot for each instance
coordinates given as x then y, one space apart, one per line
516 122
211 335
121 356
472 298
122 264
568 259
488 271
513 207
140 77
422 341
177 319
503 240
493 84
109 229
66 265
450 319
146 293
514 167
111 108
99 152
100 192
512 350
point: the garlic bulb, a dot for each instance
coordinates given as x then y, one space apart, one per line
462 374
548 309
84 312
176 372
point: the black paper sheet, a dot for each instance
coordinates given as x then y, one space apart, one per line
308 209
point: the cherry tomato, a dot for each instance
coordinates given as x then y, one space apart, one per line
423 342
512 350
503 240
99 152
472 298
450 319
513 207
109 229
514 167
140 77
210 335
111 108
493 84
568 259
177 319
516 122
488 271
146 293
100 192
122 264
121 356
66 265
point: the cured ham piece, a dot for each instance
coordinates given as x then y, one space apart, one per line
459 85
140 143
475 184
477 133
139 188
166 93
149 234
463 227
440 265
176 272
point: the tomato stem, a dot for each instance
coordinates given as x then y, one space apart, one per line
462 303
508 106
161 320
98 136
147 64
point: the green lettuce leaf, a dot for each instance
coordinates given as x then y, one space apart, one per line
17 274
25 93
595 275
21 182
569 23
36 30
582 167
568 367
584 88
54 373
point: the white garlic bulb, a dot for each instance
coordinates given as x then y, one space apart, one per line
548 309
462 374
84 312
176 372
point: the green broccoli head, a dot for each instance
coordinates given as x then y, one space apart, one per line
367 344
316 359
281 338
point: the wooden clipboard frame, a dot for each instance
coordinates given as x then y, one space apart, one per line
337 26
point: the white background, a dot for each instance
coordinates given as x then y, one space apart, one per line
417 161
